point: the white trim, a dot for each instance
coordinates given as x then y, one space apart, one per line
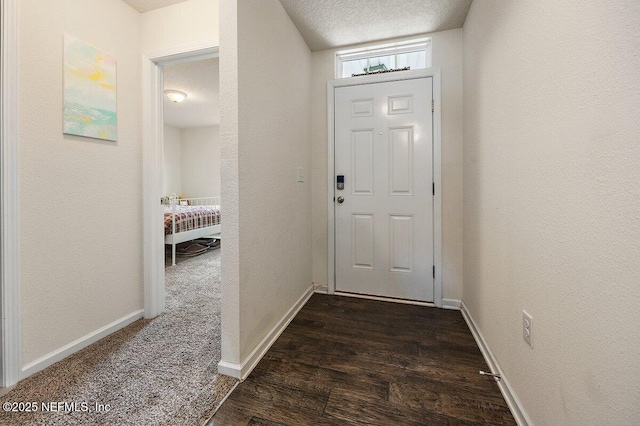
437 180
81 343
242 370
331 222
514 403
192 52
152 163
230 369
453 304
10 335
437 166
384 299
321 288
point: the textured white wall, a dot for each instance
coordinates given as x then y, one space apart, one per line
230 185
181 24
201 162
172 161
270 140
552 195
447 55
81 239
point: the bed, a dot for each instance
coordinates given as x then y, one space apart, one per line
187 219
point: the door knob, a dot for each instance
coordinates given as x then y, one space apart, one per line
341 200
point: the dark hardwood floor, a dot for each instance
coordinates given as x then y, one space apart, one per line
347 361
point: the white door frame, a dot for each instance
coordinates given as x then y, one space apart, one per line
153 163
437 163
10 342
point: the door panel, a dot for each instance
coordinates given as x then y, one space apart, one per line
384 226
401 160
362 161
362 241
401 243
362 107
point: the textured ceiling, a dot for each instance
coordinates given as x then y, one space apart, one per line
333 23
147 5
200 81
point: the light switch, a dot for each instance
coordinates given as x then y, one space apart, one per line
300 174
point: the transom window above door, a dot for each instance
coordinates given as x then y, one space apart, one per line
414 54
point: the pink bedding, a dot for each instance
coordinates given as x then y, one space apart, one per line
191 217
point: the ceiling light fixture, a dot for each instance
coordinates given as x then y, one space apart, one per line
175 95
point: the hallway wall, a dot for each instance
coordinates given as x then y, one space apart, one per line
265 84
551 223
77 274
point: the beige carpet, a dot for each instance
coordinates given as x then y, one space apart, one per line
157 372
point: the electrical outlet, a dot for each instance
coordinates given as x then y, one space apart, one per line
527 328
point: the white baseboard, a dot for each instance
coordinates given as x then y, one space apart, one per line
508 393
451 304
242 370
230 369
73 347
321 288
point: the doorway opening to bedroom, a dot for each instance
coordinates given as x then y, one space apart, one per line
191 192
191 169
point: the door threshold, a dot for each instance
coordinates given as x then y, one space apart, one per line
385 299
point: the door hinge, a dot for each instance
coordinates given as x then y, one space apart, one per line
434 271
433 105
433 188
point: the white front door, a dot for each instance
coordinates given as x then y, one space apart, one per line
384 214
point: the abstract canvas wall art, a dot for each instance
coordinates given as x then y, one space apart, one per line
90 107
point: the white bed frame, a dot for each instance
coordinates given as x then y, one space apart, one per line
180 237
